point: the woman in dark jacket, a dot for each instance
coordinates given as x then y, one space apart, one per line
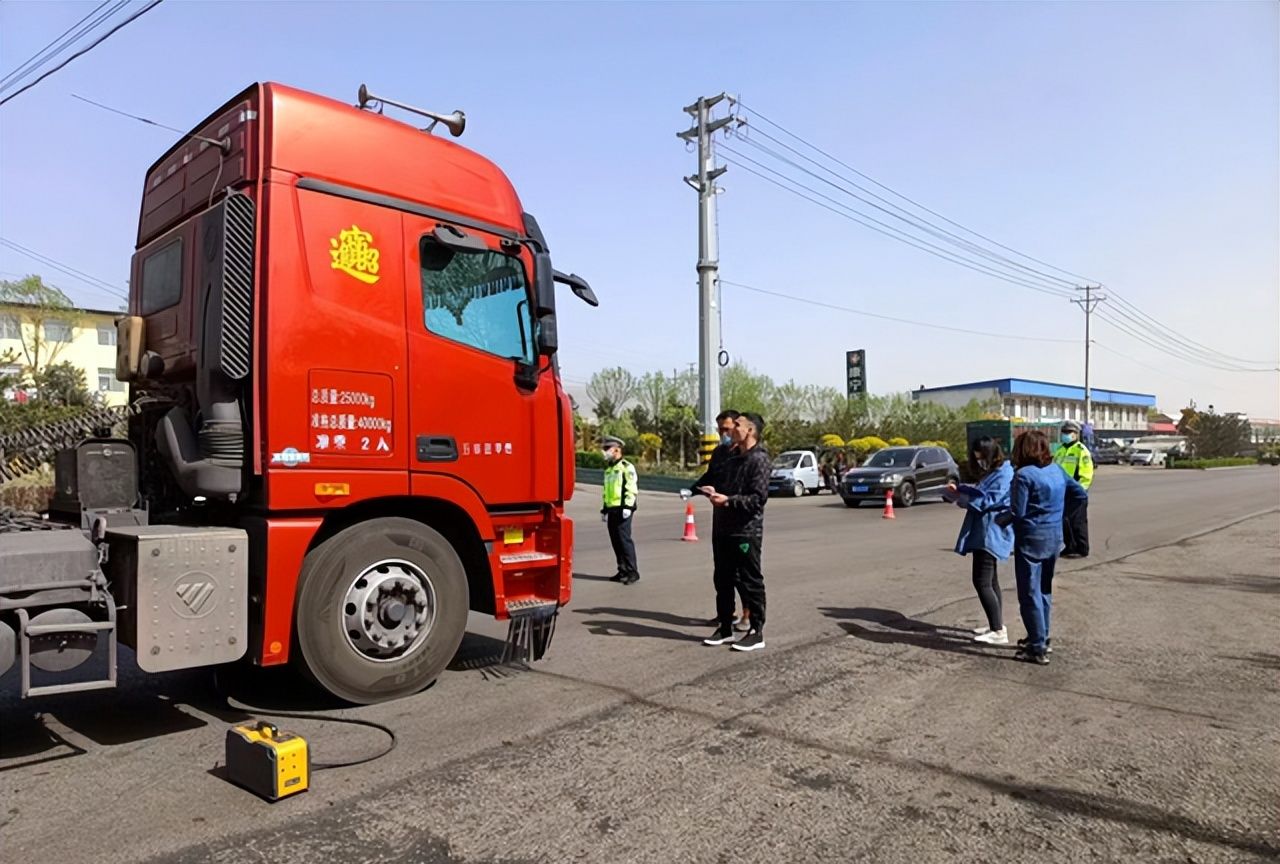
980 535
1039 494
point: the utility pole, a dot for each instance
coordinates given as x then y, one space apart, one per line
704 183
1087 303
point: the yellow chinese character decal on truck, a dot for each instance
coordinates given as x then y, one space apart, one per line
353 253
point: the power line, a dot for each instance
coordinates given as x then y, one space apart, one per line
911 201
887 230
1148 366
1167 339
94 44
66 269
1154 324
1175 348
44 54
1164 349
224 144
862 312
897 212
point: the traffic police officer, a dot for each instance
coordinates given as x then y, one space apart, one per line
1075 459
619 504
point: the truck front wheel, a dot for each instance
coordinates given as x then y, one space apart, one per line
381 610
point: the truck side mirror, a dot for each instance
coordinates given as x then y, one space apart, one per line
578 286
544 285
544 311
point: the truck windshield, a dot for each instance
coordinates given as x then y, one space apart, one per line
480 299
787 460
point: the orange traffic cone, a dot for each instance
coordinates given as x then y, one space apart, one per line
888 505
690 529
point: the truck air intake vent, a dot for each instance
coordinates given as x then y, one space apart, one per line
237 285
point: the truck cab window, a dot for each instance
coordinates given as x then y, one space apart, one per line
477 298
162 278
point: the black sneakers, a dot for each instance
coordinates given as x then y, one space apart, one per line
630 579
1024 655
1048 645
723 636
753 641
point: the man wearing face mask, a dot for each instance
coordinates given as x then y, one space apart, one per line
724 425
1074 458
737 533
619 504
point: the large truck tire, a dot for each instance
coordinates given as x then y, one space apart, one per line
381 610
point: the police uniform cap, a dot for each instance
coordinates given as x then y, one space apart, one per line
1070 426
611 442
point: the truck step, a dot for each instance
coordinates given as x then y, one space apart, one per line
28 631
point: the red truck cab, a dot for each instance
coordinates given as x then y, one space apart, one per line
341 340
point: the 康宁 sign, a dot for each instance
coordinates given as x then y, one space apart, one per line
856 372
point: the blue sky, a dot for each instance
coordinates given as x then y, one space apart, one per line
1135 143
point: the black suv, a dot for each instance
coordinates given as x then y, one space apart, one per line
910 472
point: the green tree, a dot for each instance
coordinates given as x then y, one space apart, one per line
679 422
610 390
654 391
1214 435
64 384
650 446
37 308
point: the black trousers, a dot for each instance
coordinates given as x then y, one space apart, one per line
1075 530
987 583
737 569
623 548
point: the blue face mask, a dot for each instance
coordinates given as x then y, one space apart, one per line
1068 437
726 439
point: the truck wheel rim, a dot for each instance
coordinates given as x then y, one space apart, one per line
388 610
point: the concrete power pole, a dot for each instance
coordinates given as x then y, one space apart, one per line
1087 303
704 183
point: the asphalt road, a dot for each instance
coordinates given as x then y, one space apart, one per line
869 729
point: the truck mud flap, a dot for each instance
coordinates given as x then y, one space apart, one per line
530 633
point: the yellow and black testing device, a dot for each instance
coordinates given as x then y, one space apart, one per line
266 761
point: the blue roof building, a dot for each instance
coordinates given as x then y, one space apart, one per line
1043 401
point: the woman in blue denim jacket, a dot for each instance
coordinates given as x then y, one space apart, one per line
1040 492
980 535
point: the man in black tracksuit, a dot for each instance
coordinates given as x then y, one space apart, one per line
725 421
737 532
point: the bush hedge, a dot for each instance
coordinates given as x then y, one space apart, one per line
1221 462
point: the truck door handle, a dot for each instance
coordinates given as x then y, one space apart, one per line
437 448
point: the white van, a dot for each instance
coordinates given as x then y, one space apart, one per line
1154 450
795 473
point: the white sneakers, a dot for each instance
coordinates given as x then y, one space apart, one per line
978 631
993 637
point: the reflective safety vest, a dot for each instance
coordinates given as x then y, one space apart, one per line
1077 461
620 485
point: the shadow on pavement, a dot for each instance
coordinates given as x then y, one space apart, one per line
483 654
27 741
1255 584
894 628
589 577
1125 812
632 628
648 614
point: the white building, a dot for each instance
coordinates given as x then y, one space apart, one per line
1040 401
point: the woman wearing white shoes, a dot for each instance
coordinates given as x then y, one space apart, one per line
980 536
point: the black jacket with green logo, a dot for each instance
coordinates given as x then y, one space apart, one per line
744 477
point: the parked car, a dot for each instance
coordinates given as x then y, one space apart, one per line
1106 453
1146 456
795 473
911 472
